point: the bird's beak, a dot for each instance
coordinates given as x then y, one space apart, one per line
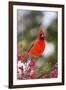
42 36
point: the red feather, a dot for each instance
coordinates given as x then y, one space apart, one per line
38 46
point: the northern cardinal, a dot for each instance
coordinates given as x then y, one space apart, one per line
38 46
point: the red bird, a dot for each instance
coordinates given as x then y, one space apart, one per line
38 46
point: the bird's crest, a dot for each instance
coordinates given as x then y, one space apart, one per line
41 31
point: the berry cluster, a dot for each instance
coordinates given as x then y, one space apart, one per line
25 70
52 74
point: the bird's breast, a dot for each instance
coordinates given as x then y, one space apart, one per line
38 48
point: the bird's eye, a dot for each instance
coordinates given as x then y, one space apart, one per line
41 36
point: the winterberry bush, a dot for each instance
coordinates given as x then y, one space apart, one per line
27 68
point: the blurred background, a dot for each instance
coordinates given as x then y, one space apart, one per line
28 24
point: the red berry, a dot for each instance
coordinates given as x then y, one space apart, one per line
52 74
32 74
32 64
56 72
